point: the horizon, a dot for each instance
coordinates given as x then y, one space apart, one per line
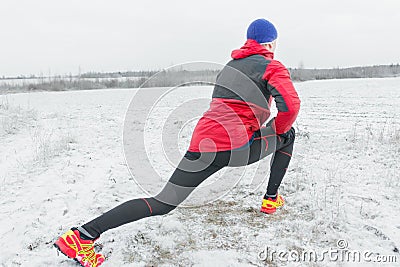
65 75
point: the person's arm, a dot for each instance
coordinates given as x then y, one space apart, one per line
287 101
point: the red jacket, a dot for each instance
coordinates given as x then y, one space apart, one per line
242 98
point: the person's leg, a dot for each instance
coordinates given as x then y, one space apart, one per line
279 164
188 175
282 149
266 142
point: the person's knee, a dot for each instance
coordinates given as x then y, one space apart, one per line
160 208
173 194
168 199
163 208
289 136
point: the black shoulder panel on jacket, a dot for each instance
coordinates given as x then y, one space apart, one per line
241 79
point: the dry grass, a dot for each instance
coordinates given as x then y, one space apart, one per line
14 118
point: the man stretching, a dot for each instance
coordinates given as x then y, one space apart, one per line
230 133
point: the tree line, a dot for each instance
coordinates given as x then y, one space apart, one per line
379 71
167 78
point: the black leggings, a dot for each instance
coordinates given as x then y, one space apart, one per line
194 168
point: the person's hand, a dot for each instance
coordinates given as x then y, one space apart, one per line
288 136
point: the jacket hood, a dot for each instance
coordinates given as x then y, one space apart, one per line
251 47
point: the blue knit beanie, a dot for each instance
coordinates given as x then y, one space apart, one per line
262 31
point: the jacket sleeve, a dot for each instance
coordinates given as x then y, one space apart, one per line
281 88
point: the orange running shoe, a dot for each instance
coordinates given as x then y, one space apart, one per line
269 205
73 246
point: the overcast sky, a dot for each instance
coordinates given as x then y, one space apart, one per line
95 35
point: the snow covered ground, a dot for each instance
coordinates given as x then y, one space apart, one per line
62 163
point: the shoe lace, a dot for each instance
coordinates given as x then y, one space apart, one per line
279 201
89 254
274 204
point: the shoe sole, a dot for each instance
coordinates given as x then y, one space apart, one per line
268 211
